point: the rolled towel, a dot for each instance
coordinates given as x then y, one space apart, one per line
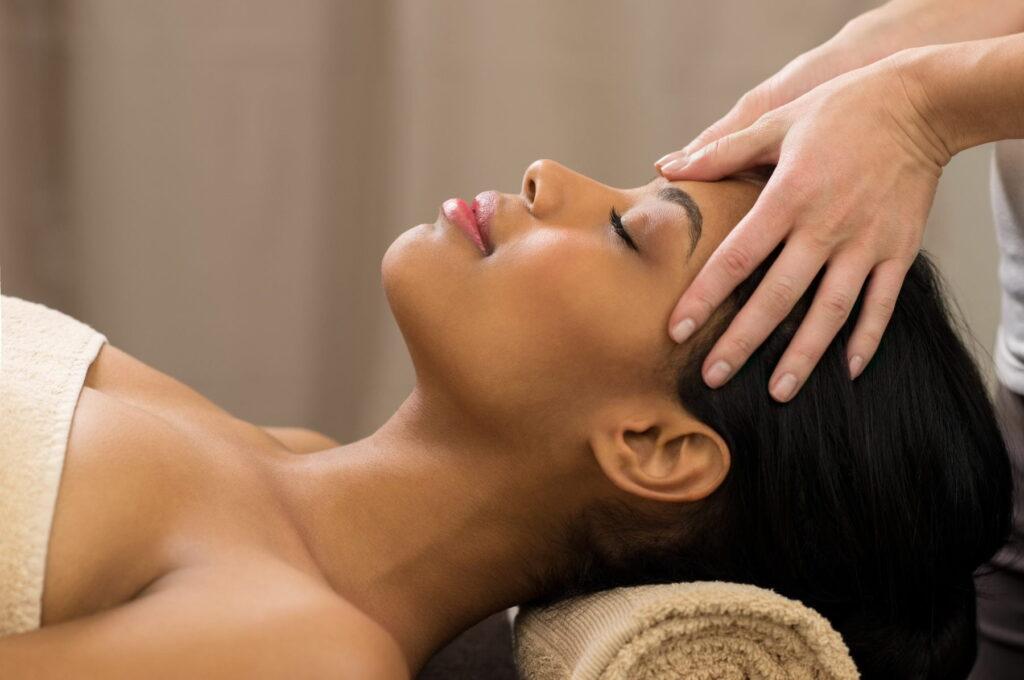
705 630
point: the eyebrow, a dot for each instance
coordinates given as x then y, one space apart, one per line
674 194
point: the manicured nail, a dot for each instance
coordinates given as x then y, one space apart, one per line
681 331
718 373
856 362
677 164
784 387
663 159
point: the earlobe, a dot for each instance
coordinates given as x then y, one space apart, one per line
671 459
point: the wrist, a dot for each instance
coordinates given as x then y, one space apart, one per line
968 93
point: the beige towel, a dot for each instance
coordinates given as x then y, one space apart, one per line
706 630
44 356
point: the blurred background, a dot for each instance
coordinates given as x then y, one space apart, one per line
213 183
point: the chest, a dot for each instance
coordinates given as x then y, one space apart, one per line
156 478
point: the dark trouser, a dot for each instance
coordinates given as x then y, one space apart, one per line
1001 593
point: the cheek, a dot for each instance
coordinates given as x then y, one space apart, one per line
575 311
523 340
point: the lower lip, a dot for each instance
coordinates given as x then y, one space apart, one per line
461 215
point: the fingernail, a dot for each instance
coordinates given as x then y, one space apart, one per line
681 331
718 373
856 362
784 387
665 158
677 164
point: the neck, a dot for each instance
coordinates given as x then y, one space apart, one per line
427 526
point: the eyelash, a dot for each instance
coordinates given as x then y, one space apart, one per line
616 221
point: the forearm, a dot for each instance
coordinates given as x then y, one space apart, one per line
931 22
903 24
969 93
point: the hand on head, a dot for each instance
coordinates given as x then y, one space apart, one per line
857 169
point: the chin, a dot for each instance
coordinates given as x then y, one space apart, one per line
403 272
417 282
423 286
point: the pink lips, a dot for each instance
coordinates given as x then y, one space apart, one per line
473 221
485 205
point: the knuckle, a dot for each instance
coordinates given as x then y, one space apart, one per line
801 184
837 305
748 98
741 346
737 261
752 102
885 304
769 95
781 294
819 241
767 122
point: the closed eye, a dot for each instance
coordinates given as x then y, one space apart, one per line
616 221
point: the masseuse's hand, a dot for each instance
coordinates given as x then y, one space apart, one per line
819 199
856 172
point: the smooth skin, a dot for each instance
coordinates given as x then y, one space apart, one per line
133 590
189 543
859 129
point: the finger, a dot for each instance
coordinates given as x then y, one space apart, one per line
832 303
718 129
754 145
744 112
875 313
746 246
783 284
677 159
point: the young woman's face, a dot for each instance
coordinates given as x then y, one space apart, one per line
563 314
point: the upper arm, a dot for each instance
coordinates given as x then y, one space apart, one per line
173 633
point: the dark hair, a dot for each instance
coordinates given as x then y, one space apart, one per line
872 501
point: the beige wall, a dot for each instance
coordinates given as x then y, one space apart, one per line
212 183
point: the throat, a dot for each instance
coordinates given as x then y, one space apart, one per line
425 542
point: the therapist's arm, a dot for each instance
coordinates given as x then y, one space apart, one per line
973 92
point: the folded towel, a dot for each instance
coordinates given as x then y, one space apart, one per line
699 631
45 356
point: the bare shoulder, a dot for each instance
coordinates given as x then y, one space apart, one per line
366 648
308 620
201 622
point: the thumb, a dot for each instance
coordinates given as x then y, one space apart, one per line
751 146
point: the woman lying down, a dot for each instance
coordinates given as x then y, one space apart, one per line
557 442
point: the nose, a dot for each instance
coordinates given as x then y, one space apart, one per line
541 186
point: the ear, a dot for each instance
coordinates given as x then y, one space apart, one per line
658 451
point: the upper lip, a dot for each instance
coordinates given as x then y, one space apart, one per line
484 207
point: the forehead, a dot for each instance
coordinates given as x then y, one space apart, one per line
752 178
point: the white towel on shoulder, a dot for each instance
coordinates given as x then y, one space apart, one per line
44 356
